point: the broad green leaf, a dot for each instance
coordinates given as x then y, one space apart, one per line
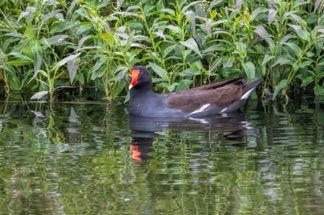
160 33
39 95
98 64
198 65
168 11
305 63
56 40
108 37
169 49
164 85
272 46
119 2
282 84
321 63
80 78
36 73
310 54
13 80
298 3
216 64
185 8
38 61
228 61
266 59
99 69
240 47
191 44
61 26
116 89
222 32
14 34
282 60
219 22
307 81
174 29
208 26
99 73
298 52
296 66
138 38
184 84
213 48
158 70
122 35
319 90
261 31
317 4
272 15
286 38
239 4
19 62
55 14
21 56
22 15
104 3
249 69
235 23
84 28
214 3
125 13
121 75
120 68
29 10
72 66
191 71
172 87
65 60
320 75
257 11
304 34
273 3
190 15
298 19
81 42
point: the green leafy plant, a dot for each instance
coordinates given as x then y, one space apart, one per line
48 45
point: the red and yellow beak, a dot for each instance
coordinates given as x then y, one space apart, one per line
134 80
136 153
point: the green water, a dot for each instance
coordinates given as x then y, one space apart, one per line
83 158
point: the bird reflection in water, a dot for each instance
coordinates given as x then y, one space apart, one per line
232 126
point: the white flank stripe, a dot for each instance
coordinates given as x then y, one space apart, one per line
201 109
223 110
246 95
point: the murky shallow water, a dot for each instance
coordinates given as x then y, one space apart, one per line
84 159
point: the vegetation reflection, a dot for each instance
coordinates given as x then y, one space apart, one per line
83 159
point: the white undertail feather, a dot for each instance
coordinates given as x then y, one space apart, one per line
247 94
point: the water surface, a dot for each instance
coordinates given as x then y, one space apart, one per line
91 158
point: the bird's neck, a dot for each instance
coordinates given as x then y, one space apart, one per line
142 92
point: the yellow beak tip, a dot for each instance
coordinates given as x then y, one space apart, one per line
130 86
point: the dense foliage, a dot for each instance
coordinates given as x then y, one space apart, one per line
47 44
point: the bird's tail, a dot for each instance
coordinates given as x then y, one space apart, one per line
247 89
253 84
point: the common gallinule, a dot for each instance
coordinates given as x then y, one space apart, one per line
215 98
